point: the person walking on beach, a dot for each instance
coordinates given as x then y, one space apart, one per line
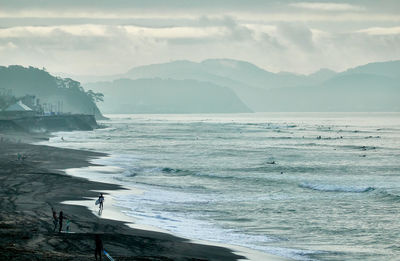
55 219
60 220
99 246
101 200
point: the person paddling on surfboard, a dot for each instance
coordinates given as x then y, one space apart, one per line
101 200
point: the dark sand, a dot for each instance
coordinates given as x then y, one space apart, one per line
28 190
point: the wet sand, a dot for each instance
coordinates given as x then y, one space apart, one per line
29 189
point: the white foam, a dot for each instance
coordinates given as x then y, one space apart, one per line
144 208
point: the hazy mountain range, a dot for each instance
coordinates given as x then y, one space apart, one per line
167 96
224 85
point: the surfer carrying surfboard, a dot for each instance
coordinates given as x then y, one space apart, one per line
101 200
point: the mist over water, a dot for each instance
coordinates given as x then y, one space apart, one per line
319 186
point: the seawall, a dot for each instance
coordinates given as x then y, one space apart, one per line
40 124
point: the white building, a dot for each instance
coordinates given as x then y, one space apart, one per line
18 106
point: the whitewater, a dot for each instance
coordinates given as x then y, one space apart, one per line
307 186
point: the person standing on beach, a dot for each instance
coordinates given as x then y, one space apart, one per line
101 200
60 220
99 246
55 219
67 226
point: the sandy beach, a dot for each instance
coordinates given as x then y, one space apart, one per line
31 187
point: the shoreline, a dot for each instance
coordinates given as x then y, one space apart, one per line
114 212
32 186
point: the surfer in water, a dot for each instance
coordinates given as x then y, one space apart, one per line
101 200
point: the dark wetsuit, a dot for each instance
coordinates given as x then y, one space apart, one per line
55 220
60 221
101 200
99 247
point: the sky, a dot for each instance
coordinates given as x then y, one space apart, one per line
102 37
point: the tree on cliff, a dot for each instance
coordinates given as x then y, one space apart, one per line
95 96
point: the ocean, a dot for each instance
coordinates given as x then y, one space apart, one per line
308 186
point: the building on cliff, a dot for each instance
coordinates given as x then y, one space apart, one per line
18 106
17 110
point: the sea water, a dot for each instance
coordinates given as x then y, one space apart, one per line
308 186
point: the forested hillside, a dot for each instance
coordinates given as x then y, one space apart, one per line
57 93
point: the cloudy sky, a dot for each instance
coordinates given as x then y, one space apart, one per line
106 37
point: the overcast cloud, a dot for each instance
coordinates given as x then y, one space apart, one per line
106 37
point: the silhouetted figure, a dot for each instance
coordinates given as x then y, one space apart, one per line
99 246
101 200
60 221
67 226
55 219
